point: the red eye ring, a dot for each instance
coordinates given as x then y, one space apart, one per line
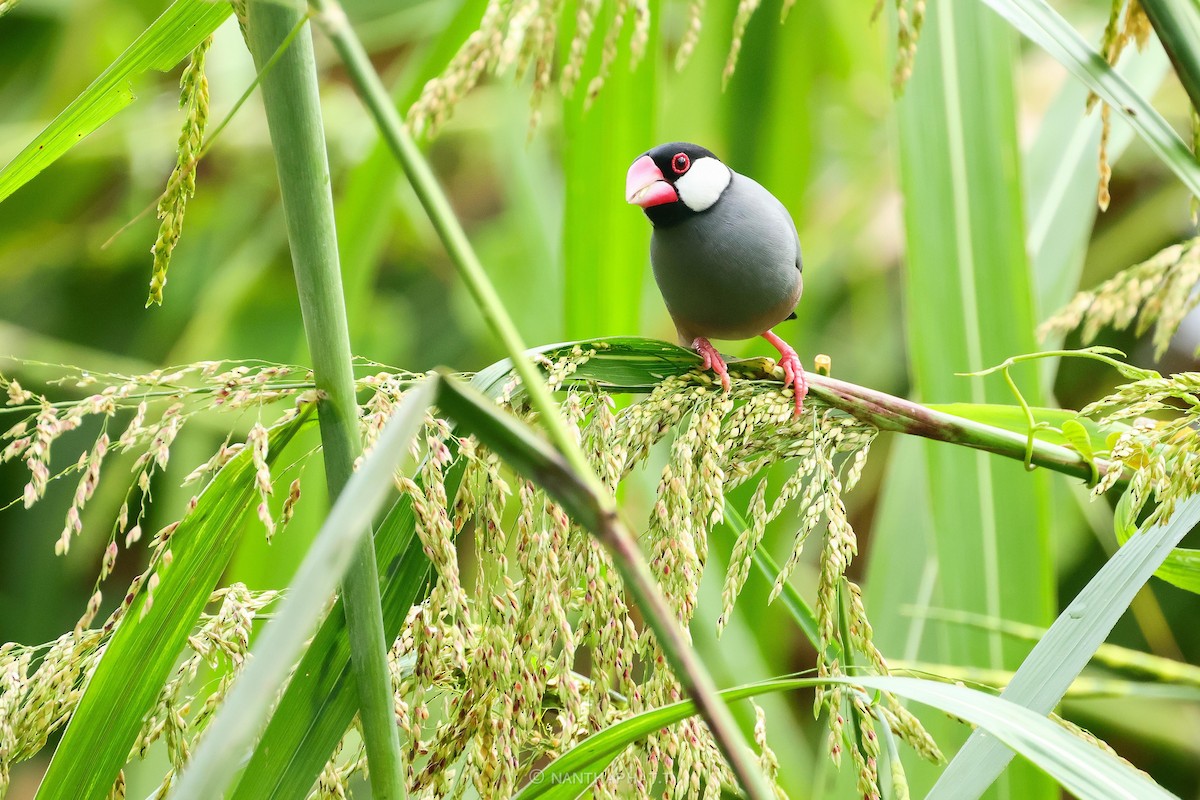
680 163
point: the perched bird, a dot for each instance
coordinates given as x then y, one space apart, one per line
725 253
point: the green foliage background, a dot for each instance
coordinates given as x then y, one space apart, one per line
809 113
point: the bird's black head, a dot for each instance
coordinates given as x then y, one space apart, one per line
675 181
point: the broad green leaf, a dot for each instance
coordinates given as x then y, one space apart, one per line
1181 567
160 47
247 706
970 305
1067 647
1043 25
148 640
606 243
1084 770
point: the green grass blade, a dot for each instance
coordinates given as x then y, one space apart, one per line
245 710
1182 569
1177 23
1043 25
1086 771
142 652
161 46
1066 648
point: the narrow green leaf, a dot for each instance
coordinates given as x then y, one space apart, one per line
1062 171
1066 648
1078 437
1181 567
1086 771
161 46
1177 23
1043 25
232 731
148 640
1116 658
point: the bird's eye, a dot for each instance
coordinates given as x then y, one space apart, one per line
680 163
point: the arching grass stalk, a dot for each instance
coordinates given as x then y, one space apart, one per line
608 526
292 103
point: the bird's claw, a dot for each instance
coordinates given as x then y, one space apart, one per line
793 372
712 360
793 375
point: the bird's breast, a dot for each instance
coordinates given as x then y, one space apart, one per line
729 273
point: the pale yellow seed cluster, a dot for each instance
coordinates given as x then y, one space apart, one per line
745 10
523 36
469 697
35 704
193 98
910 18
257 441
32 706
1120 30
159 404
767 760
221 642
1162 455
1158 291
691 34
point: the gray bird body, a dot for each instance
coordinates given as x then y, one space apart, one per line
732 271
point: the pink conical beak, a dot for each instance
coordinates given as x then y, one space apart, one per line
645 185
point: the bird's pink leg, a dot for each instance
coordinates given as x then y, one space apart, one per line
712 359
793 373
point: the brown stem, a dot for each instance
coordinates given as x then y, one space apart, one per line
890 413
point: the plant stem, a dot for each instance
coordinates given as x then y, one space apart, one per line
292 102
890 413
379 103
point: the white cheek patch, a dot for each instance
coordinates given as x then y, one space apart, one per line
700 187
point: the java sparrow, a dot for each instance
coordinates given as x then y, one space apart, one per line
725 253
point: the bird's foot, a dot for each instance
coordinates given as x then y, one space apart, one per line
793 372
712 359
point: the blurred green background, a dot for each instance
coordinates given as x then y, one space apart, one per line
809 113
